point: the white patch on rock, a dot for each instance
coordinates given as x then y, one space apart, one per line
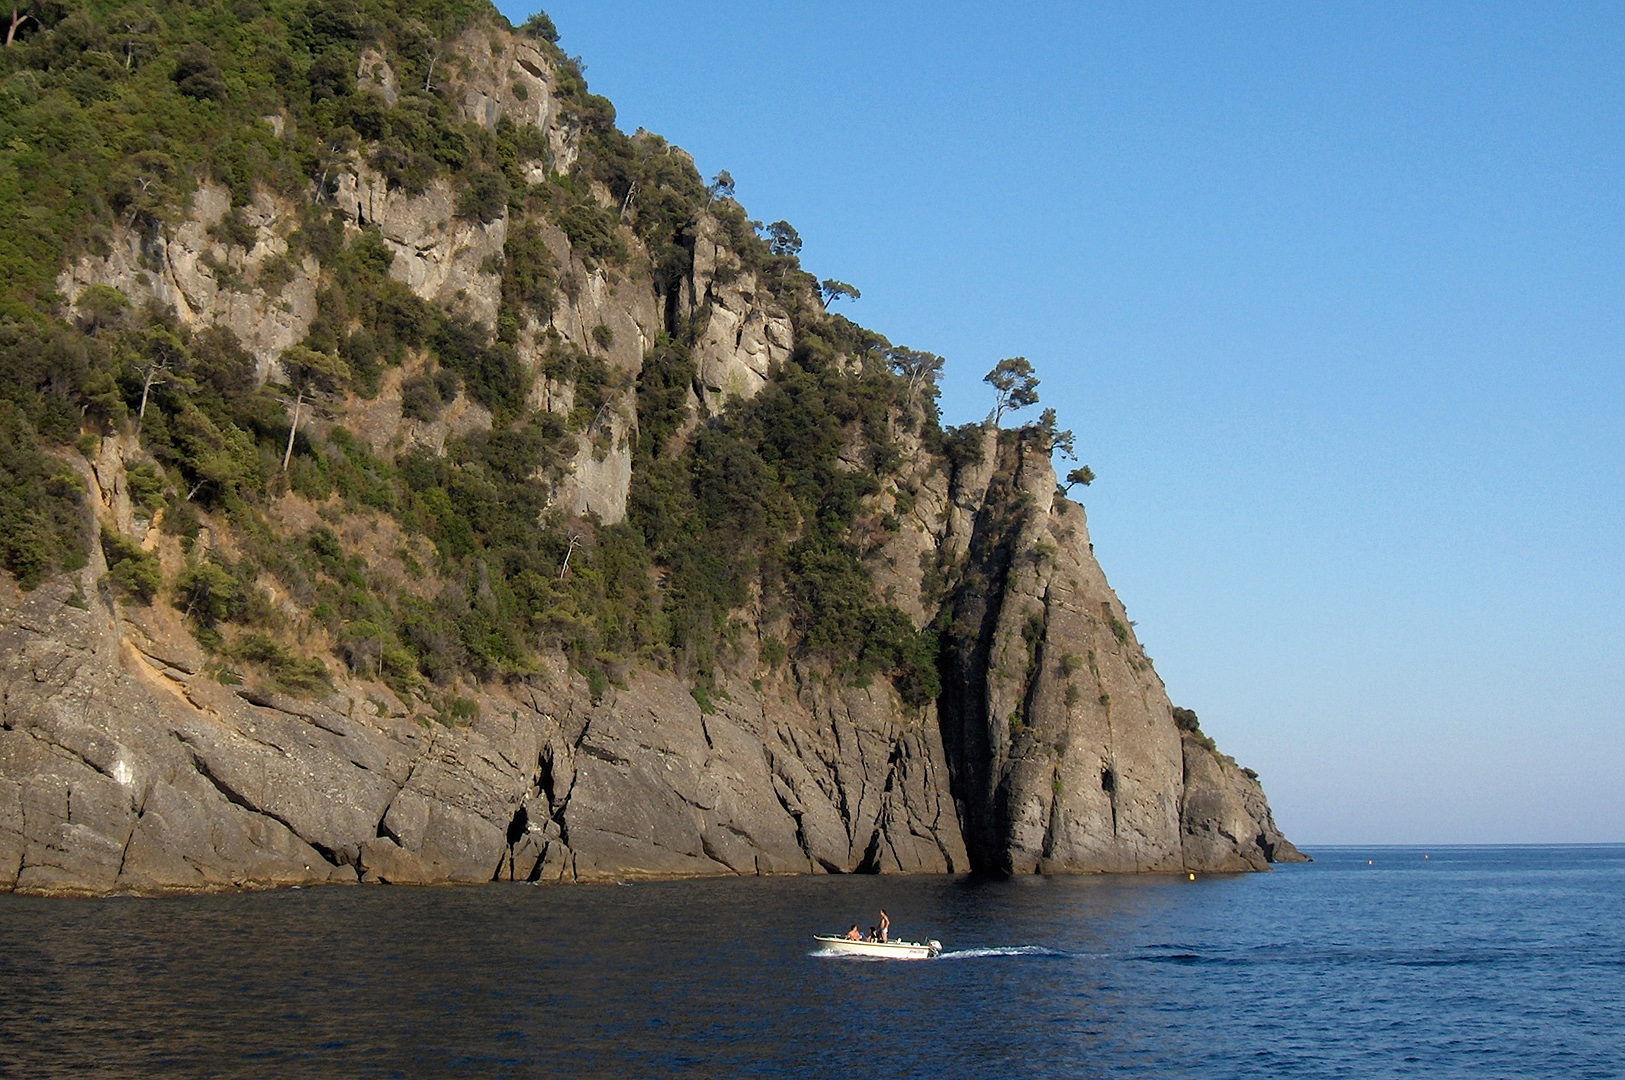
207 283
374 73
438 256
746 334
600 478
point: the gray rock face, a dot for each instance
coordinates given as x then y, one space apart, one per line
120 771
100 788
1226 820
746 334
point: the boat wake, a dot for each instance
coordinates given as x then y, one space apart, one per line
1002 950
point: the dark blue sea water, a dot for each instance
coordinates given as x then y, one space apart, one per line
1438 962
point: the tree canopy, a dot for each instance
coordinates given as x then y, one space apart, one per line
833 290
1015 386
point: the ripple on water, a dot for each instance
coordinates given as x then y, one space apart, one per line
1474 963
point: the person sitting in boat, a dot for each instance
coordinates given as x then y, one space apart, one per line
854 934
885 925
873 935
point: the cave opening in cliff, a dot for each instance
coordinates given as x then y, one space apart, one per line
518 826
544 774
871 857
1108 781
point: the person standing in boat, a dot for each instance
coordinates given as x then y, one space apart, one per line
885 925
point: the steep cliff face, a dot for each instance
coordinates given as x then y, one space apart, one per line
1062 742
143 747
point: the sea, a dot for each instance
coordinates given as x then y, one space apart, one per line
1369 962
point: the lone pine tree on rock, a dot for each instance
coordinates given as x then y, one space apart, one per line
1014 384
309 373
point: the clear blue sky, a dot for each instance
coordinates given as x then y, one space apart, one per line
1333 297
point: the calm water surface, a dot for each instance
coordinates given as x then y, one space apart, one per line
1480 962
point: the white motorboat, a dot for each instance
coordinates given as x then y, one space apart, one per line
880 950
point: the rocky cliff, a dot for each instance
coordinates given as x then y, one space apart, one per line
151 742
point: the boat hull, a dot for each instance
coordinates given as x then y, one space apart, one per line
879 950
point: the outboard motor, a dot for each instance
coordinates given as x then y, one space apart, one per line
936 948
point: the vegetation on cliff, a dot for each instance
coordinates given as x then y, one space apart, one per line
111 115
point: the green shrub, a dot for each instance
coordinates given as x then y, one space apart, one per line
593 232
136 571
528 281
663 387
459 710
181 519
484 197
287 670
1185 720
420 398
209 593
491 373
198 76
540 26
43 523
146 486
963 445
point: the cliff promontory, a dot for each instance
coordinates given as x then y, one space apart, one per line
407 476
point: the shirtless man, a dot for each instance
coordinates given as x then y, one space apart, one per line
885 926
854 934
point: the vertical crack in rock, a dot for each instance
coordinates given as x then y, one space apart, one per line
870 864
1108 784
1048 848
780 792
975 761
555 803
